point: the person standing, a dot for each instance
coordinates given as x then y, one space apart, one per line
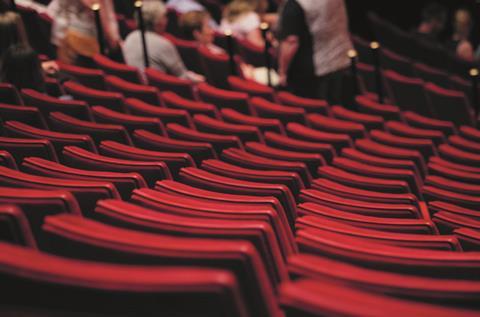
314 41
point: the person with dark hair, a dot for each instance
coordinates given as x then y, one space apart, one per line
21 67
434 17
12 31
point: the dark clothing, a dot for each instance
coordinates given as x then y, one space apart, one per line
301 73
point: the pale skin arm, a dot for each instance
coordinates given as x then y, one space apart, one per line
255 37
288 49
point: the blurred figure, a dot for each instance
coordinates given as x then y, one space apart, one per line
314 40
460 42
74 31
196 26
184 6
21 67
12 31
434 17
162 53
243 18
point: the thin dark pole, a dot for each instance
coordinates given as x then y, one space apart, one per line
474 77
268 62
375 47
231 53
13 5
138 7
352 54
98 25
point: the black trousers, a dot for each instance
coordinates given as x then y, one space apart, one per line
337 88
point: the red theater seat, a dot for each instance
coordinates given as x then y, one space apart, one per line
246 133
92 78
470 239
120 70
172 100
290 179
29 115
452 185
309 105
326 124
264 124
424 146
9 94
248 160
95 97
219 141
46 105
291 144
470 133
464 144
124 182
454 174
15 228
415 120
21 148
143 92
58 139
436 206
319 212
98 131
87 286
166 82
432 193
459 156
150 170
372 209
367 120
111 244
388 112
337 140
455 166
128 121
174 161
319 298
285 114
7 160
166 115
424 289
450 105
404 130
86 192
447 222
224 98
150 141
252 88
433 263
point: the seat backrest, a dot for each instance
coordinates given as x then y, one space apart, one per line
128 73
143 92
166 82
94 97
9 94
54 285
450 105
14 227
215 67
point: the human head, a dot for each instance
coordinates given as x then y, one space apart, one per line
434 15
154 16
12 31
239 7
462 22
21 67
195 25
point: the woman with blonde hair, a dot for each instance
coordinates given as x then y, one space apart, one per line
74 30
243 18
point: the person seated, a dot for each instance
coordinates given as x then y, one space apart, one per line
243 18
162 54
184 6
12 32
74 30
196 26
460 43
21 67
434 17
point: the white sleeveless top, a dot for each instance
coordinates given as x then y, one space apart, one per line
328 23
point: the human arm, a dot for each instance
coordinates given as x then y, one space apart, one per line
465 50
287 50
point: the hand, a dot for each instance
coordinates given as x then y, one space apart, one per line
282 79
50 67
